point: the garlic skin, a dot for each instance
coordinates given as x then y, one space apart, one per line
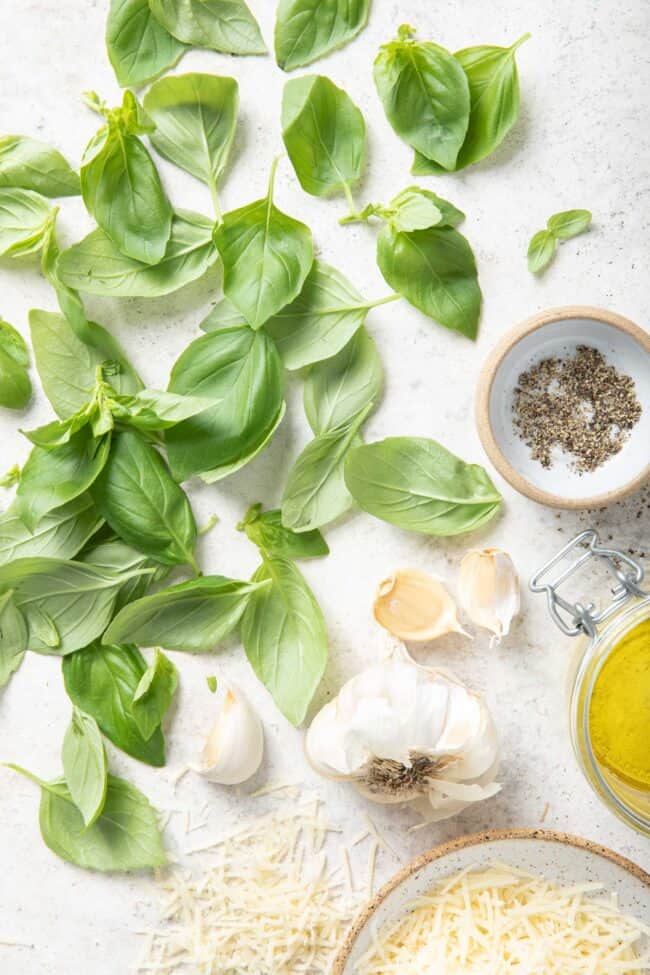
401 732
488 589
235 743
414 606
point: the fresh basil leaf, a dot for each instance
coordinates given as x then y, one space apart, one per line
95 265
425 95
24 219
265 529
60 534
154 694
126 836
324 134
15 384
225 470
212 684
152 409
195 116
416 484
59 432
122 190
34 165
193 616
284 636
221 25
240 371
102 679
305 30
435 271
569 223
85 766
114 555
337 389
139 499
418 209
266 257
139 47
541 250
14 637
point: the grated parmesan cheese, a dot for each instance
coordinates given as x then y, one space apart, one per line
504 921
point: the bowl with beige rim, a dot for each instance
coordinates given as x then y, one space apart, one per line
559 858
557 333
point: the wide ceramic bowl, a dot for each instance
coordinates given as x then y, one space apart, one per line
558 857
556 333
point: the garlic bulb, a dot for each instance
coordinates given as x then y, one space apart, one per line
488 589
413 606
402 732
235 743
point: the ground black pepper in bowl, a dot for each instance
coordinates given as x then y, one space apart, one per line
579 404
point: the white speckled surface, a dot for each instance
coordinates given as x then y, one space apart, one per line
582 141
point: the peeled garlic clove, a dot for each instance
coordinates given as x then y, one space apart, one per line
488 588
413 606
235 743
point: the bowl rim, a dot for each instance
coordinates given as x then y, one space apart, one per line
484 389
475 839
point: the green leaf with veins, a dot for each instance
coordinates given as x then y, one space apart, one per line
60 534
569 223
139 47
266 531
336 390
33 165
154 694
114 555
306 30
85 766
13 637
24 220
220 25
15 384
541 250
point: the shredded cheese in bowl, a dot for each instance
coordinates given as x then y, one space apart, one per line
501 921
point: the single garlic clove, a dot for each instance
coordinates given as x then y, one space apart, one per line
235 743
488 589
413 606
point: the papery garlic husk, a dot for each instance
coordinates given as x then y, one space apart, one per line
414 606
488 589
235 743
401 732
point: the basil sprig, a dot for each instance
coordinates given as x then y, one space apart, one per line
560 227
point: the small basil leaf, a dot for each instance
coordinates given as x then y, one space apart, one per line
212 684
221 25
266 257
34 165
284 636
95 265
541 250
416 484
425 95
569 223
152 409
435 271
154 694
15 384
24 219
265 529
102 680
85 766
324 134
139 47
195 116
305 30
141 502
337 389
14 637
417 205
193 616
60 534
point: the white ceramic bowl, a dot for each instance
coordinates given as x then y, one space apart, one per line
554 333
560 858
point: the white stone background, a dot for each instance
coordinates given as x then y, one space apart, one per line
582 140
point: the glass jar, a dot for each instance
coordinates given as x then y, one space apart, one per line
598 633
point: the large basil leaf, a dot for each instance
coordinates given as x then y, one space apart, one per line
324 134
154 694
15 384
122 190
14 637
266 257
137 496
24 219
435 271
337 389
221 25
96 265
305 30
416 484
102 679
225 470
139 47
36 166
265 529
195 116
60 534
126 836
284 636
85 766
425 95
193 616
240 371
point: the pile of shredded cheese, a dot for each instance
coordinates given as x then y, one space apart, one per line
268 905
501 921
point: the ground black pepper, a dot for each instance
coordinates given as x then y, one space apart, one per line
580 404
